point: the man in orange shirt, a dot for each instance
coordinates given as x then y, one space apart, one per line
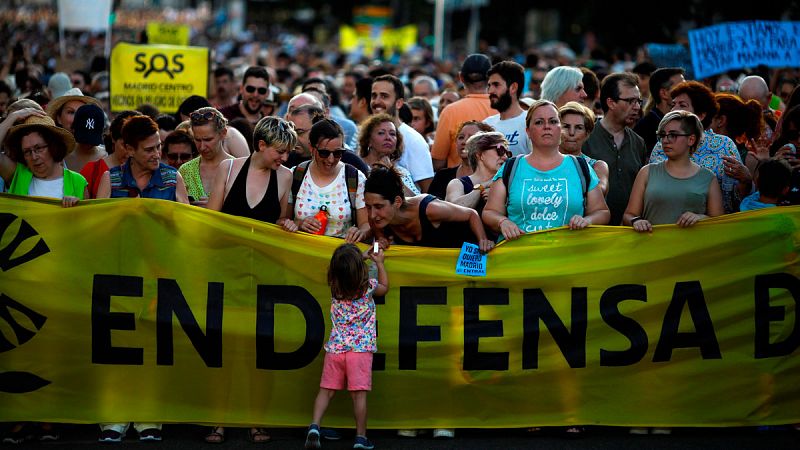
475 106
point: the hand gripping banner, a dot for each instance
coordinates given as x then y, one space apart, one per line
122 310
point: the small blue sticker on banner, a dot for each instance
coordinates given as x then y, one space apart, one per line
471 261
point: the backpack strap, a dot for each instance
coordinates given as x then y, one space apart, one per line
509 170
351 178
583 172
298 173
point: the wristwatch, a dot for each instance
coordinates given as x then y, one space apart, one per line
478 187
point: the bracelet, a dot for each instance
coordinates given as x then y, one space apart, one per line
635 219
500 224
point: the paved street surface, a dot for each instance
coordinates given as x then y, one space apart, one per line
187 437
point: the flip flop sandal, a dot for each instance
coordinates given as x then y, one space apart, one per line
259 435
216 435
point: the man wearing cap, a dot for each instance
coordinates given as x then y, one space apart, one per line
254 89
475 106
87 127
62 109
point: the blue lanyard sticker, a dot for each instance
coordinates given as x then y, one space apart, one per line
471 261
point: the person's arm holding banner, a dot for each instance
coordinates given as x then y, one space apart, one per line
494 213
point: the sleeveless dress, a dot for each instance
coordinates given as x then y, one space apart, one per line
666 198
447 235
267 210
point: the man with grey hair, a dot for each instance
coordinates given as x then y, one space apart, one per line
754 87
425 86
563 84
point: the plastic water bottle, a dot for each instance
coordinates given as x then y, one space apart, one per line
322 218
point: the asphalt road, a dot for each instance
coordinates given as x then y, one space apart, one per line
602 438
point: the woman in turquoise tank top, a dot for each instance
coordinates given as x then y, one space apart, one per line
676 190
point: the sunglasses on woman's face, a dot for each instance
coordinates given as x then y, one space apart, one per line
251 89
337 154
502 150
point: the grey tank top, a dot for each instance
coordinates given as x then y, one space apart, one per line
667 197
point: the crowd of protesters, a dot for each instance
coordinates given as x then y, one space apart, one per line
434 153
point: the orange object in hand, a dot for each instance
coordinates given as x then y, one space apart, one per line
322 218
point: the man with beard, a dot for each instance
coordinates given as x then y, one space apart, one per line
475 106
505 80
254 90
614 142
225 88
387 97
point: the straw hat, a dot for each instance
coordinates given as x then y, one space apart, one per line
55 105
32 123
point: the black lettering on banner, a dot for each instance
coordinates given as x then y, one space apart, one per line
22 334
636 334
410 333
103 320
535 307
764 314
378 358
266 356
177 63
171 301
141 66
474 329
691 293
26 231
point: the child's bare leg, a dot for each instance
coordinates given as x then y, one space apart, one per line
321 404
360 411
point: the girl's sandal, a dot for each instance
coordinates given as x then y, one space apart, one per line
216 435
259 435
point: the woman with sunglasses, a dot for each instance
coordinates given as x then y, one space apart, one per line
380 144
209 128
546 189
577 123
487 153
677 190
326 181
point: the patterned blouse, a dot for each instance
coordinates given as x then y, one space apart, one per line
353 324
709 154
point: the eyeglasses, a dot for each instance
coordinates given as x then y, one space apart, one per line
631 101
36 150
502 150
337 154
251 89
182 156
670 137
198 117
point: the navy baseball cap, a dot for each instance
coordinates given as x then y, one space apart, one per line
88 124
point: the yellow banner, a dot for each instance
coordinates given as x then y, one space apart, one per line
366 39
153 311
167 33
162 75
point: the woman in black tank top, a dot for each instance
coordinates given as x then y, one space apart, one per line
258 186
422 220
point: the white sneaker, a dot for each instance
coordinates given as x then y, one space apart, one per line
444 433
407 433
661 431
639 431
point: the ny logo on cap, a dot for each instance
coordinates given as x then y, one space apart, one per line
90 124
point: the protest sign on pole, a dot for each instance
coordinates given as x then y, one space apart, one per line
162 75
739 45
74 15
168 33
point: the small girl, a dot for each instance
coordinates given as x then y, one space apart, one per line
348 353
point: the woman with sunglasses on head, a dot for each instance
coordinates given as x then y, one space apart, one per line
577 123
676 190
209 128
327 182
487 153
546 189
443 177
